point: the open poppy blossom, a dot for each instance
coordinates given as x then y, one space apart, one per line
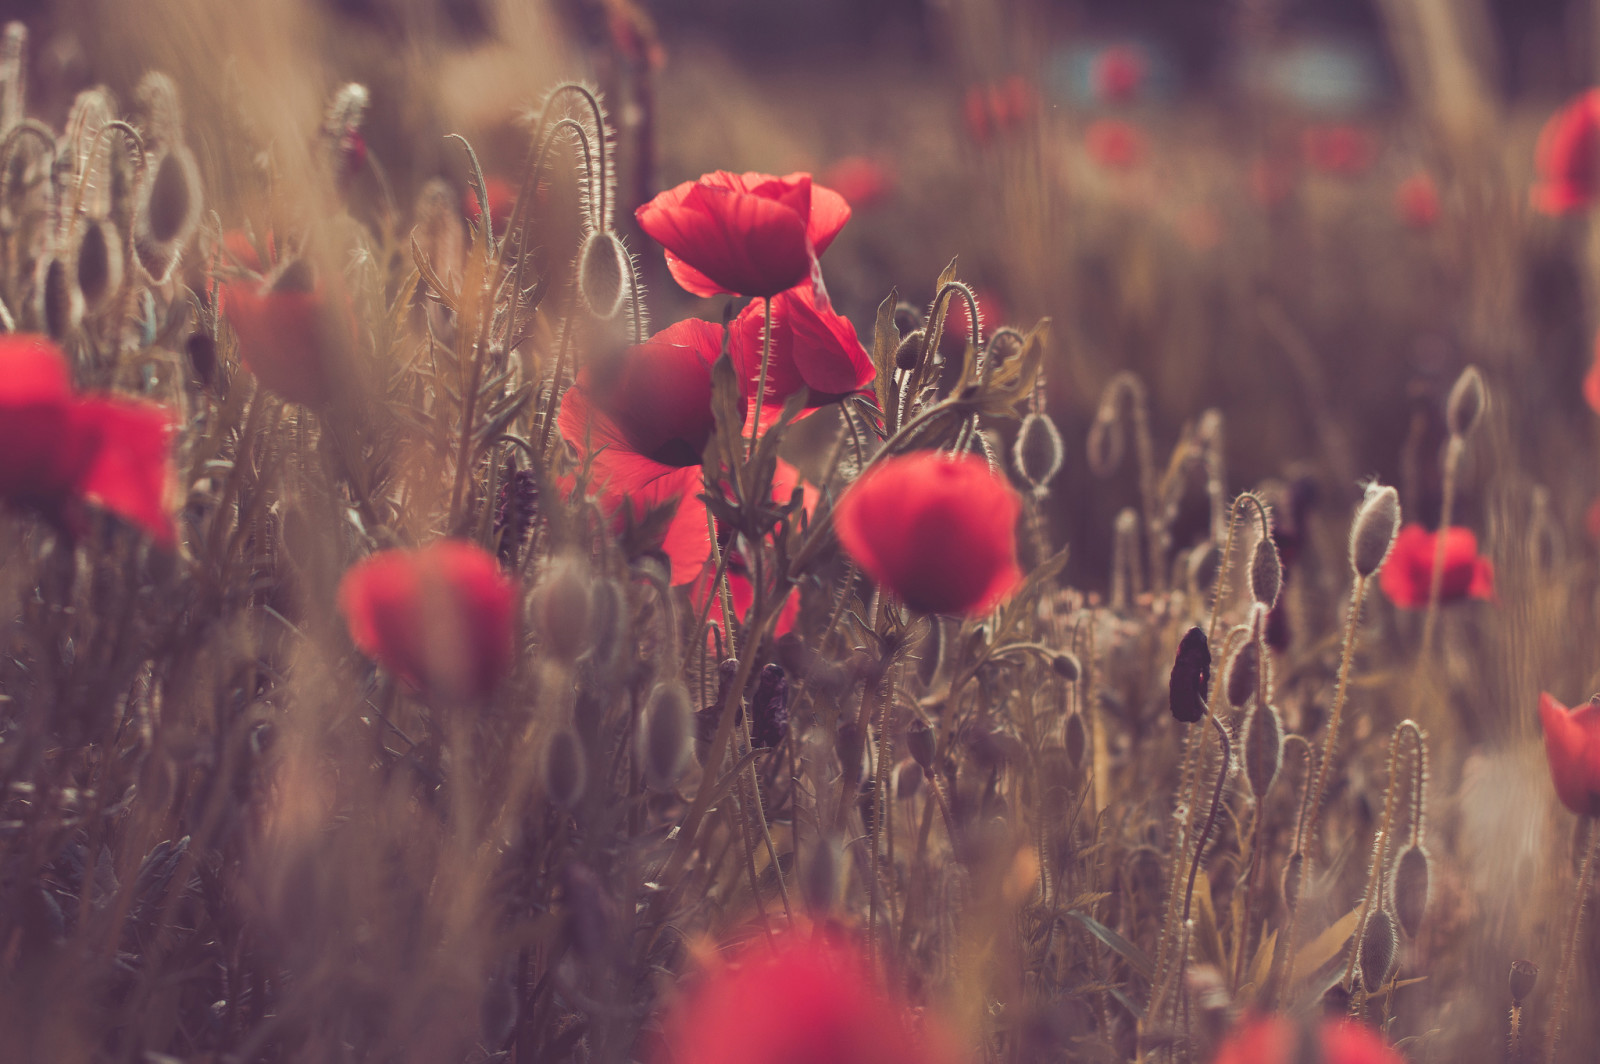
291 333
938 532
1407 575
1115 144
1565 157
59 449
1416 201
1279 1040
439 617
812 347
1118 74
1572 746
744 234
1339 148
806 1002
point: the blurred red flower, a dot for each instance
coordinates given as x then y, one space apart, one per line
1338 148
1279 1040
1591 381
862 181
1572 746
1566 157
807 1002
1118 73
1408 573
939 532
746 234
812 347
1416 201
291 332
1115 144
439 617
58 449
502 197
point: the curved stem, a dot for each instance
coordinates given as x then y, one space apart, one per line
1211 818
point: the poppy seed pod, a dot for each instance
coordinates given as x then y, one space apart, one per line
1524 974
1411 889
1191 676
1266 572
1373 531
1464 408
564 608
1066 665
168 211
1038 452
566 772
603 273
666 733
99 264
909 353
1244 674
1378 947
921 743
1263 749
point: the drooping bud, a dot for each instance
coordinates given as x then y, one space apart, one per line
1465 406
1066 665
1244 674
1411 889
1191 676
1378 947
563 607
1076 738
603 273
1293 870
566 774
909 351
921 744
168 211
769 707
1524 974
1038 452
60 302
666 733
1263 749
1104 449
1373 531
1266 572
99 264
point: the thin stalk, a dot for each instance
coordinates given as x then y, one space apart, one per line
1569 956
761 383
1380 842
1430 620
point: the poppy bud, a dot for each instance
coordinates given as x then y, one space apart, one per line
1244 674
60 301
909 352
603 273
921 743
519 501
1263 749
1524 974
1038 451
1266 572
563 607
1191 676
99 263
201 349
1411 889
1076 737
769 707
1378 946
1065 663
1465 405
1104 450
1293 870
1373 531
168 211
566 772
907 318
822 876
665 733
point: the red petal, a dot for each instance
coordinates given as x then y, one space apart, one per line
284 339
130 473
739 242
1572 748
32 370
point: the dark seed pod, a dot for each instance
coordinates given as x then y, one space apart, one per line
1076 738
909 352
1292 873
1266 572
168 212
1372 533
1191 676
1465 406
907 318
1378 947
666 734
1038 452
1244 674
1263 749
60 301
1411 889
563 607
566 773
769 707
99 264
603 273
1066 665
1104 449
920 744
1524 974
822 876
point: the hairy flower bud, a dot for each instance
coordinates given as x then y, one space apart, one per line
822 876
1266 572
563 606
921 743
1373 531
1191 676
1411 889
60 302
1263 749
1104 449
603 273
1066 665
168 211
1038 452
1244 674
1524 974
666 733
909 352
1465 406
99 263
1076 739
566 773
1378 947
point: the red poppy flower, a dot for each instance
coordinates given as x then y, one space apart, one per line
440 617
1566 157
862 181
1407 574
290 333
1115 144
1340 148
502 197
1572 746
807 1002
812 347
939 532
1118 73
1278 1040
1591 381
1416 201
745 234
60 449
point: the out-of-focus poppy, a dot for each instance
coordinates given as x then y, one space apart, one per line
938 532
1566 157
1118 73
502 196
292 331
812 347
1339 148
1416 201
439 617
1280 1040
863 181
59 449
1572 746
1115 144
1408 572
746 234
